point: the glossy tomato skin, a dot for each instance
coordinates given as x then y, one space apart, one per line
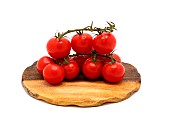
58 48
104 43
82 43
113 72
42 62
80 60
92 70
53 74
71 69
106 60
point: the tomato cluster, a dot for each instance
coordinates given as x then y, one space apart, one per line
94 58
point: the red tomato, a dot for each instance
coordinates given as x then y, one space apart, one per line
104 43
53 74
116 57
80 60
106 60
113 72
42 62
58 48
82 43
71 69
92 70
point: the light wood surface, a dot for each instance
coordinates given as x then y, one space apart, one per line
80 92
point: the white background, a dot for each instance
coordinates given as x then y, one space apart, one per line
142 40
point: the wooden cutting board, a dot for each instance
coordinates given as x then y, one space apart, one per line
81 92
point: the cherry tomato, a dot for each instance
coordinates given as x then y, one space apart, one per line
106 60
82 43
104 43
53 74
71 69
58 48
42 62
116 57
92 70
113 72
80 60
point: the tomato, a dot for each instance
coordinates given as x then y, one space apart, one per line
116 57
42 62
106 60
113 72
92 70
58 48
71 69
53 74
104 43
80 60
82 43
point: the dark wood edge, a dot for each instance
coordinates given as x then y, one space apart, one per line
131 73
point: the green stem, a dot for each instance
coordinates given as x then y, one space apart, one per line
95 55
66 60
103 56
84 29
90 28
113 60
79 54
94 58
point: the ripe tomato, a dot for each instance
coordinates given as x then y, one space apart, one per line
58 48
116 57
71 69
82 43
104 43
42 62
80 60
106 60
113 72
53 74
92 70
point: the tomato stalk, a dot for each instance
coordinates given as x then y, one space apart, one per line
94 58
66 60
94 55
111 57
79 32
110 28
112 60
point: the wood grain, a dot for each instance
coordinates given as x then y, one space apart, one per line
81 92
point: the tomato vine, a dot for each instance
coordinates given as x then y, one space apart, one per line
109 28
